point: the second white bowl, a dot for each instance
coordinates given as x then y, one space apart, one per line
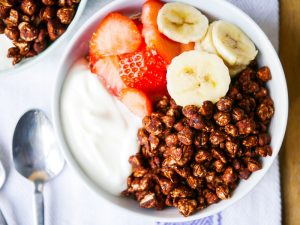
42 56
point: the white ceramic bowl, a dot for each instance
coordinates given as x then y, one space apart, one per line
42 56
78 47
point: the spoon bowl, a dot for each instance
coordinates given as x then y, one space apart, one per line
36 155
35 152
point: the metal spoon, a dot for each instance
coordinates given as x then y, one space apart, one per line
36 155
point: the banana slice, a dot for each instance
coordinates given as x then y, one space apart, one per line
181 22
194 77
232 44
234 70
207 44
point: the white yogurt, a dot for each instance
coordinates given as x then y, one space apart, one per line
5 44
100 131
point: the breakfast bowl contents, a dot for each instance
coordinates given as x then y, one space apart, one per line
158 106
32 26
191 157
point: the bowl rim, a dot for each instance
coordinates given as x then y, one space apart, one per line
34 60
70 159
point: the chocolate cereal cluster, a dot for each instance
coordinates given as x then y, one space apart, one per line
193 157
33 25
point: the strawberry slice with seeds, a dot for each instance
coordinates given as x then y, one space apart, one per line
144 70
116 34
107 69
136 101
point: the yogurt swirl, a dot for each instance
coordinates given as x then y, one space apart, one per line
100 131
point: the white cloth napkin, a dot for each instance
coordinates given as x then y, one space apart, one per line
68 201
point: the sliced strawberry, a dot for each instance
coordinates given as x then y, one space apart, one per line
138 23
116 34
167 48
140 26
136 101
144 70
150 12
187 47
93 60
107 69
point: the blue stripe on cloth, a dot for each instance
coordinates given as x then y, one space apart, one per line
211 220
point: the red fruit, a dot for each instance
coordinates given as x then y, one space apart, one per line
167 48
187 47
115 35
150 12
138 23
107 69
144 70
140 26
136 101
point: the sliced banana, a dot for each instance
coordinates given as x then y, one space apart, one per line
232 44
195 76
234 70
207 44
181 22
239 57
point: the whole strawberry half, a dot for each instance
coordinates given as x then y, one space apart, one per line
116 34
144 70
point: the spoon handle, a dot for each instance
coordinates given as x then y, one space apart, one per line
39 203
